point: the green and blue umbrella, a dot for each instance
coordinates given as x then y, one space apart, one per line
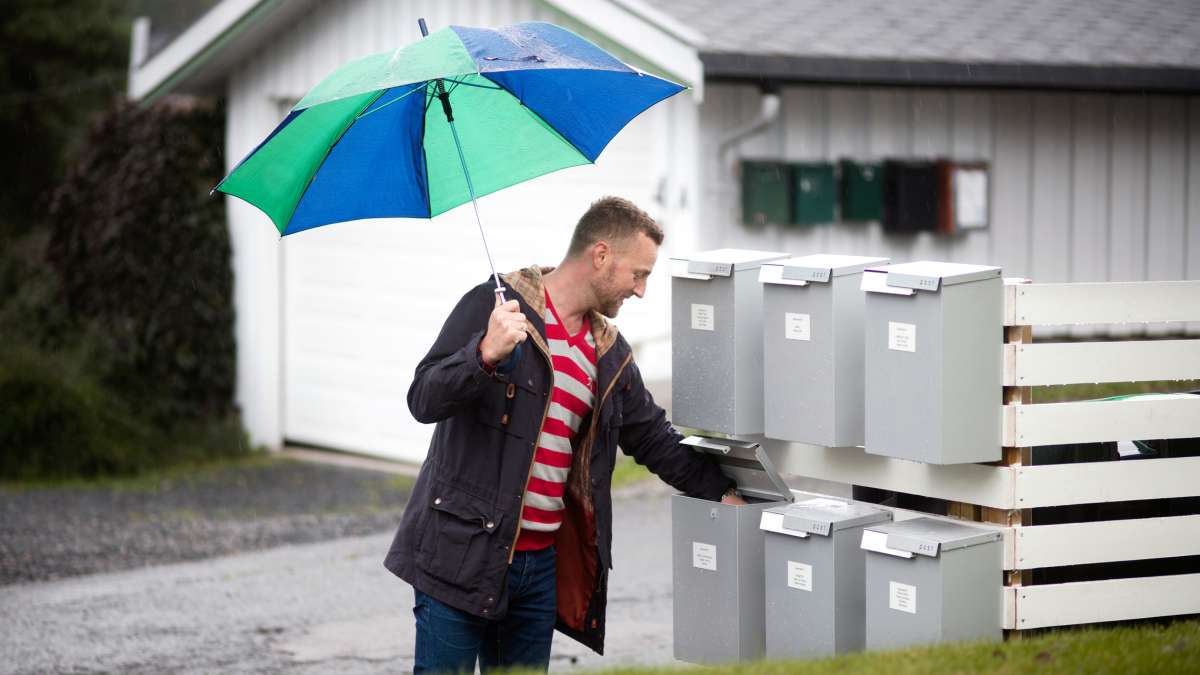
417 131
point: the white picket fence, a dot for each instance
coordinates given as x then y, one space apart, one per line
1002 493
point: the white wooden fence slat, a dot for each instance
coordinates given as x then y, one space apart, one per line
1131 361
1096 482
1090 421
972 483
1120 302
1107 600
1106 541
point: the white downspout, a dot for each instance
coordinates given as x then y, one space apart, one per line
767 114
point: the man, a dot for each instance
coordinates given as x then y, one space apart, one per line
507 534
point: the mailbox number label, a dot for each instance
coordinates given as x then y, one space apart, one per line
902 337
797 326
704 556
902 597
799 575
702 317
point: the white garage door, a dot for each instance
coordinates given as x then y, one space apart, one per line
363 301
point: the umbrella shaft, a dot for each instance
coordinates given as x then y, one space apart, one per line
478 221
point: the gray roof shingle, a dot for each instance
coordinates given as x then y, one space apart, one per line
1023 36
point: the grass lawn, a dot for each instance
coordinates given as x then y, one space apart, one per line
628 472
1161 650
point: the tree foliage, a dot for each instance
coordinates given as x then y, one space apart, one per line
62 60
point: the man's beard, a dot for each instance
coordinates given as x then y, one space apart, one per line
608 298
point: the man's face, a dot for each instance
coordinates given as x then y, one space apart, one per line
623 272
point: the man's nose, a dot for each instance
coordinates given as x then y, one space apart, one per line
640 289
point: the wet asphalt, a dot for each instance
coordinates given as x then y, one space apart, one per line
288 584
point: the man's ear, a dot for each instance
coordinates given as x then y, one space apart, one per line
601 254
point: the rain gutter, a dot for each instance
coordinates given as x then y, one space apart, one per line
777 68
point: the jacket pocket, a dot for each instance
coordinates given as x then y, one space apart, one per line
460 538
504 406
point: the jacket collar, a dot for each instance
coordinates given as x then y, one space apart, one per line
529 285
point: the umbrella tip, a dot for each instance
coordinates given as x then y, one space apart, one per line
424 28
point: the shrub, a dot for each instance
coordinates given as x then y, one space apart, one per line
142 255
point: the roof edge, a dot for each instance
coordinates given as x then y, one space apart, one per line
194 47
733 67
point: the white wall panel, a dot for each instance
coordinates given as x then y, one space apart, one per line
1012 173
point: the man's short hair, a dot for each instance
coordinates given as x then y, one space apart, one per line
612 219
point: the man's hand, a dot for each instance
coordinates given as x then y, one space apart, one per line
731 497
506 330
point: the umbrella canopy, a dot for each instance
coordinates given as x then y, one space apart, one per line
373 140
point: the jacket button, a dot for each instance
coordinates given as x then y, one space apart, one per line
485 611
595 481
437 501
489 600
490 525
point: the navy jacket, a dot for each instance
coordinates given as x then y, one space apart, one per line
456 536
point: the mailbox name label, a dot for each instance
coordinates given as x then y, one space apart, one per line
902 597
702 317
902 337
797 326
704 556
799 575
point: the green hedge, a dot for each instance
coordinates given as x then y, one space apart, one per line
142 255
116 318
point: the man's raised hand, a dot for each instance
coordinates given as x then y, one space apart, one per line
506 330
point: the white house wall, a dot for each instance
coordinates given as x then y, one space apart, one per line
331 322
1084 187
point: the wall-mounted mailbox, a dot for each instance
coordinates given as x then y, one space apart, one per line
813 348
766 193
934 336
815 574
930 581
814 191
717 558
716 340
862 190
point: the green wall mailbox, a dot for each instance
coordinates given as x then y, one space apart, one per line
814 190
765 193
862 191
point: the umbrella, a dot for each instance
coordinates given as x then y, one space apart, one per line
417 131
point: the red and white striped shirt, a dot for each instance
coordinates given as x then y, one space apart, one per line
572 397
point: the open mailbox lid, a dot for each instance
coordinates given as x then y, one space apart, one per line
721 262
925 275
924 536
820 515
747 464
820 268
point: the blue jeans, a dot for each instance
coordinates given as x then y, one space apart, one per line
449 640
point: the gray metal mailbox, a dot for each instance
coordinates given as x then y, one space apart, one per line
716 340
814 569
934 336
932 581
717 558
813 348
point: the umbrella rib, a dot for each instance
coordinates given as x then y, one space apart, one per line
372 111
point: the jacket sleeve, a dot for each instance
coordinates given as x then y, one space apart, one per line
451 375
653 442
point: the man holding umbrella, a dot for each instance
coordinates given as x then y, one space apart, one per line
508 531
